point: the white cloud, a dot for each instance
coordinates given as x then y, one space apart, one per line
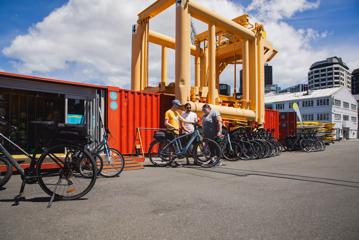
295 56
279 9
90 40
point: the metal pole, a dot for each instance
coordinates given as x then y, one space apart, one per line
182 55
212 64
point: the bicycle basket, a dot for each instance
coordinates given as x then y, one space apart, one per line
160 135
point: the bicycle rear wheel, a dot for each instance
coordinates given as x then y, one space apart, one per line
69 175
5 171
113 162
207 153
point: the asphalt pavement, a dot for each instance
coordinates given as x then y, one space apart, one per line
296 195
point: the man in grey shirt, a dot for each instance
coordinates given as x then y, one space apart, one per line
212 126
211 122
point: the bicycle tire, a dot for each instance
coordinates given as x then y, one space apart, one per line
99 163
248 152
156 156
210 154
259 149
306 144
233 154
116 168
83 169
6 168
66 168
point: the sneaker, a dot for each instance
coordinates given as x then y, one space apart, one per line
220 164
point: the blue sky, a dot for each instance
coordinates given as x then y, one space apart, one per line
339 19
16 16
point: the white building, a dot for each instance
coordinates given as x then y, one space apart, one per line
329 73
336 105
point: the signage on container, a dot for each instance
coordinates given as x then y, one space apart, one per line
113 103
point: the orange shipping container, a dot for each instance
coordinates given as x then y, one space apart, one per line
287 124
272 122
128 110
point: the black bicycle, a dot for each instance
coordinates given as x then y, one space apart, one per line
61 171
166 148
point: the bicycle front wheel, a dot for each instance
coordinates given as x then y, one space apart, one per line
231 151
68 176
207 153
5 171
161 153
113 162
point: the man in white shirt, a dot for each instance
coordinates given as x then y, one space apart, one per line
190 117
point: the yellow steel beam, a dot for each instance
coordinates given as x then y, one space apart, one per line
226 112
212 64
253 75
245 71
164 66
260 86
229 50
136 59
204 68
269 51
242 20
209 17
182 54
155 9
166 41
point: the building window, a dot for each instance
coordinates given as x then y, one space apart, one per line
337 117
322 102
346 117
308 117
268 106
345 105
279 106
354 107
354 119
323 116
307 103
337 102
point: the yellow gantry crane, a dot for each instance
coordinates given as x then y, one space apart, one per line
227 41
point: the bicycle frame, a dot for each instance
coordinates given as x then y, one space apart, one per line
8 156
181 151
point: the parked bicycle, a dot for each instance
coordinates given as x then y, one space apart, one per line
307 141
109 161
166 148
64 171
255 143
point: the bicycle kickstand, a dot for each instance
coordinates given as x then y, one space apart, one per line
53 194
20 196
